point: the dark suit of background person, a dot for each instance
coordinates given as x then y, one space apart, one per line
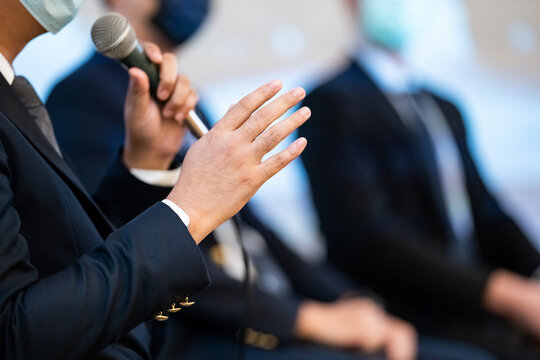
381 209
92 141
65 292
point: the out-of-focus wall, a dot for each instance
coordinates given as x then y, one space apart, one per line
484 54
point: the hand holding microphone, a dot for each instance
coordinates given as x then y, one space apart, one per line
154 139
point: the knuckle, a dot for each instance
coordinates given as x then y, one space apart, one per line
245 105
271 137
183 79
169 56
263 114
281 160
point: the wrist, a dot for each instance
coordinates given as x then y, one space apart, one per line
138 157
196 220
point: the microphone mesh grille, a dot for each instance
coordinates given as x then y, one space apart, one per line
113 36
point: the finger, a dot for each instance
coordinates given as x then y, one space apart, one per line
241 111
403 340
167 76
138 94
190 104
277 162
401 347
178 98
271 112
265 142
153 52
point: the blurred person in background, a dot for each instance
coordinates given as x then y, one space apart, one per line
293 302
91 140
402 204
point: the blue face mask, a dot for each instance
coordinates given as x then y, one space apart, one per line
389 23
179 19
53 15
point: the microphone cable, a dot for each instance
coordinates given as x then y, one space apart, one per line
247 292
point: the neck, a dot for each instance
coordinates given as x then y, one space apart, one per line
17 28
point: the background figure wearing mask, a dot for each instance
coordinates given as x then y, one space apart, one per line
91 140
72 285
402 204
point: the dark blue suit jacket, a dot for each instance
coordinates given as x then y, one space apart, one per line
71 285
382 212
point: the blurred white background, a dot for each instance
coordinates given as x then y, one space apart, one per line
485 55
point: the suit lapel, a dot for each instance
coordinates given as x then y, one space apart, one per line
15 112
393 123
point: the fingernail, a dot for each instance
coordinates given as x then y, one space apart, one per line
163 94
180 116
299 143
275 84
305 111
298 92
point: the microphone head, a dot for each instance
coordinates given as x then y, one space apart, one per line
114 36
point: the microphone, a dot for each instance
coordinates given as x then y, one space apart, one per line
115 38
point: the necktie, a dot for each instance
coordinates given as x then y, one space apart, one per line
265 270
28 96
440 156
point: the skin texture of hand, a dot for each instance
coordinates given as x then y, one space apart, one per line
516 298
401 340
224 168
154 132
358 324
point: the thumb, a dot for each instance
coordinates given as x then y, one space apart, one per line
138 95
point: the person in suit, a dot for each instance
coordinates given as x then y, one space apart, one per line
298 310
168 23
73 286
403 206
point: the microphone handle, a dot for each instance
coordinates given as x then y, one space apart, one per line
138 59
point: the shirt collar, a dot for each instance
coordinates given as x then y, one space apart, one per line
390 75
6 70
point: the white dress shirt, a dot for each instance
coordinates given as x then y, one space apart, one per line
6 70
152 177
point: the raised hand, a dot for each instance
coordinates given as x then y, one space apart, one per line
224 169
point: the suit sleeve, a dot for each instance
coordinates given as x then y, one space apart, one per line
122 196
107 292
372 242
501 241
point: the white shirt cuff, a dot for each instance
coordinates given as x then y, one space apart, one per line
157 177
181 213
162 178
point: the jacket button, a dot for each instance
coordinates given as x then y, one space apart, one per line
160 317
173 309
186 302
